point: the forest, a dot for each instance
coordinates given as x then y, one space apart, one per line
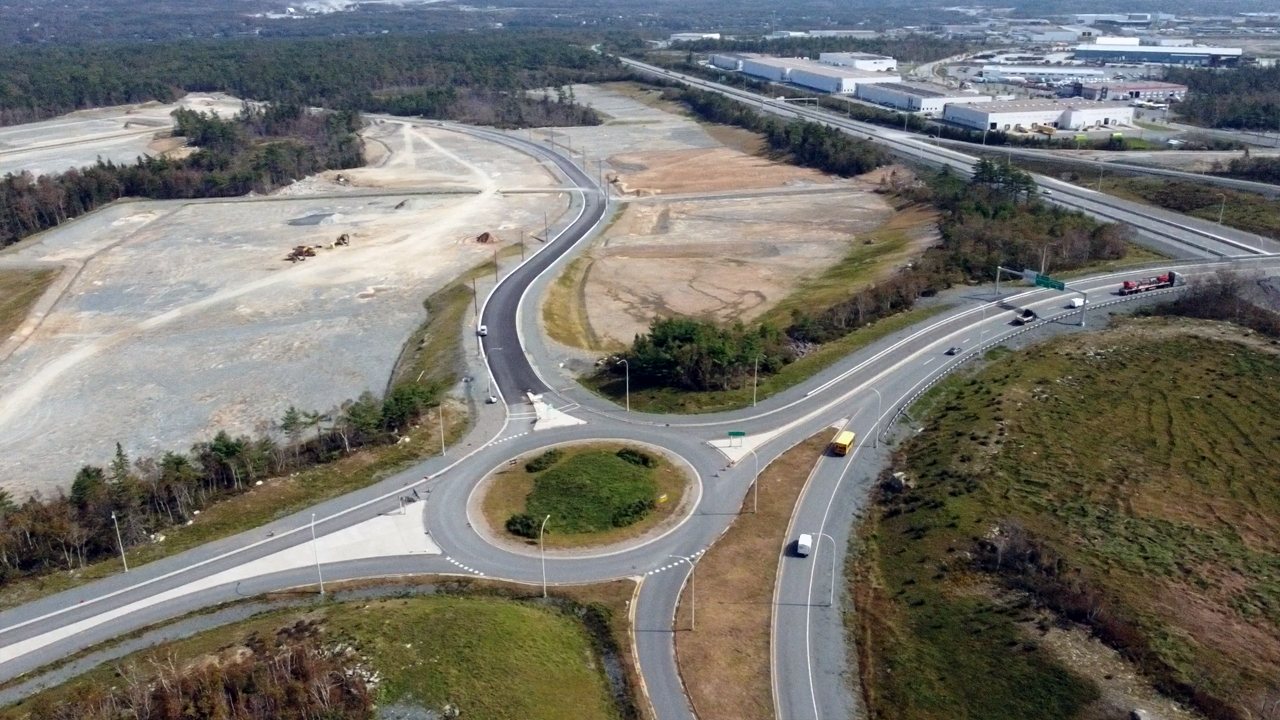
146 495
259 150
1258 169
465 77
994 219
909 49
1246 98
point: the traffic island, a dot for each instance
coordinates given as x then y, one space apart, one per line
584 495
725 662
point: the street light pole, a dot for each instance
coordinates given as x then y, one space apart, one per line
316 548
755 380
543 553
1222 209
440 410
831 601
755 484
875 429
693 593
118 540
627 367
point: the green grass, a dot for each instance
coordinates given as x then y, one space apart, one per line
19 289
592 491
1144 458
488 656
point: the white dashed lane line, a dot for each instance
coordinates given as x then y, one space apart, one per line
464 567
674 564
510 437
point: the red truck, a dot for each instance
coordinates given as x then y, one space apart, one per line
1133 287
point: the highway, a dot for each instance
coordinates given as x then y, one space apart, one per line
864 392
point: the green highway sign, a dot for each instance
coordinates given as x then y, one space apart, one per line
737 433
1045 281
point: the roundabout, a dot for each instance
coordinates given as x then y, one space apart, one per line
865 393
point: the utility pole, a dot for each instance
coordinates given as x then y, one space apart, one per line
118 540
543 553
316 547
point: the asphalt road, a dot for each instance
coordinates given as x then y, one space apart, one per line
864 391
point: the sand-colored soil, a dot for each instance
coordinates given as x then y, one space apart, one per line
184 318
682 171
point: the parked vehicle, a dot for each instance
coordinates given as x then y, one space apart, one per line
483 330
843 442
804 545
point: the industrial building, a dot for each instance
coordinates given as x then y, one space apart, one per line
731 61
1150 91
693 37
1025 115
818 76
916 97
1040 73
1130 50
860 61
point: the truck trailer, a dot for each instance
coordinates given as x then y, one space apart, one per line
1159 282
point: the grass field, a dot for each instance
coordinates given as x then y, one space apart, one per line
725 662
490 657
584 493
670 400
19 289
1125 480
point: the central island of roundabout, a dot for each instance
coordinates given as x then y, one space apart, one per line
584 497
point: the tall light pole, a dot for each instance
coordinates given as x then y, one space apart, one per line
1223 209
832 600
755 484
875 429
118 540
543 553
755 380
627 366
440 410
693 593
1100 169
316 547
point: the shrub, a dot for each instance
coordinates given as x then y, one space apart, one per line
635 457
523 525
543 461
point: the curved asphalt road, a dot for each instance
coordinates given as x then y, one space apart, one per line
864 392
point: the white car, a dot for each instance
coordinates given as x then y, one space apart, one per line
804 545
483 330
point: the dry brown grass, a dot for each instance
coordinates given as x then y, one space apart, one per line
725 662
19 289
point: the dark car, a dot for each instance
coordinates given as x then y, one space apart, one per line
953 351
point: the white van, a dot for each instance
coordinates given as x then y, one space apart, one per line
1076 302
804 545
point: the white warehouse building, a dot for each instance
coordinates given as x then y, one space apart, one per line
817 76
916 97
860 61
1027 114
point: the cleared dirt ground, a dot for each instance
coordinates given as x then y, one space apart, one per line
706 230
120 134
178 318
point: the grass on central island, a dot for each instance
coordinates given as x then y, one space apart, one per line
592 494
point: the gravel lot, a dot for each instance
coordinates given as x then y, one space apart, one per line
179 318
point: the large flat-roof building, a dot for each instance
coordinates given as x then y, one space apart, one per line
1043 73
1027 114
916 97
859 61
817 76
1198 55
1152 91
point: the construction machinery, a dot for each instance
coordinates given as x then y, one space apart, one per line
1159 282
300 253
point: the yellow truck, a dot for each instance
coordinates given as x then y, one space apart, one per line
843 442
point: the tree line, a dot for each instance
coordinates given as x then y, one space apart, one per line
994 219
911 48
146 495
1247 98
805 143
1258 169
461 76
259 150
